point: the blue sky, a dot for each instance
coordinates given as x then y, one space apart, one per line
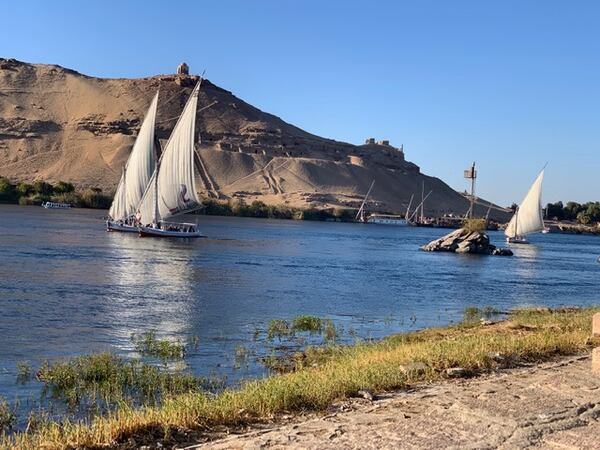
509 84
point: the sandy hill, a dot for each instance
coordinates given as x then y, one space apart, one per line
57 124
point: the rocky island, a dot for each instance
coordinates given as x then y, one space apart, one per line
465 240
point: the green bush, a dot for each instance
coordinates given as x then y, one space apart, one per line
43 188
33 199
8 193
94 198
239 208
24 189
67 197
62 187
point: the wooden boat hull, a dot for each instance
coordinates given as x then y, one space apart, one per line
157 232
123 228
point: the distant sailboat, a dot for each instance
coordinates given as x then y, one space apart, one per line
528 217
380 219
135 178
360 215
172 190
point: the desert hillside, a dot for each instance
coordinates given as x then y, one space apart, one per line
57 124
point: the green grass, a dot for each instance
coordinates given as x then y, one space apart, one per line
528 336
279 328
471 313
23 372
113 380
7 416
147 344
309 324
474 225
287 329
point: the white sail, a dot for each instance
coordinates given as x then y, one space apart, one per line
172 190
138 170
529 216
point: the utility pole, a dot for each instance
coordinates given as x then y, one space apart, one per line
471 174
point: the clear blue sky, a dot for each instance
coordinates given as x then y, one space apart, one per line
509 84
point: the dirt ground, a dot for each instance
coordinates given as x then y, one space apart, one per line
552 406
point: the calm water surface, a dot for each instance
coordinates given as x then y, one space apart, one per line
67 287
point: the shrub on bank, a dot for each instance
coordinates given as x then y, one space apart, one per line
24 189
8 193
259 209
62 192
94 198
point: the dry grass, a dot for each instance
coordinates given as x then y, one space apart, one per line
527 336
472 225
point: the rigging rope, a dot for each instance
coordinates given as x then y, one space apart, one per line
175 117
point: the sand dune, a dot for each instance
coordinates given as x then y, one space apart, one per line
57 124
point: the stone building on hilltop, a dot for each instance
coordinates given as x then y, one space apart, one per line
183 69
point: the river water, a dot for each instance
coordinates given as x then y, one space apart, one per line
67 287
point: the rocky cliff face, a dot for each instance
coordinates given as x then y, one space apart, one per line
57 124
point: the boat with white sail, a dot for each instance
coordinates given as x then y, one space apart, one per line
172 189
135 177
528 217
379 219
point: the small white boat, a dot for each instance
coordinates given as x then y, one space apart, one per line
55 205
528 217
171 230
517 240
387 219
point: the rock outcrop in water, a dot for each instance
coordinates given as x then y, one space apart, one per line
465 241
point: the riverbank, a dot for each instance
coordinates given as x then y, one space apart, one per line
536 405
545 405
61 192
324 376
573 228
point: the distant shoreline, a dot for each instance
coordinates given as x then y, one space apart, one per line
260 210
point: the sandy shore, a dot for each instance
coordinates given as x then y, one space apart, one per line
552 405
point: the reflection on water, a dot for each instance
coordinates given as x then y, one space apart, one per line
68 287
149 293
529 255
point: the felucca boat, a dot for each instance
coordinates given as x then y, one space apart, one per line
528 217
135 178
172 190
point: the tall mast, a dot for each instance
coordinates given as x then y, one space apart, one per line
471 174
155 212
124 190
362 206
408 208
422 199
